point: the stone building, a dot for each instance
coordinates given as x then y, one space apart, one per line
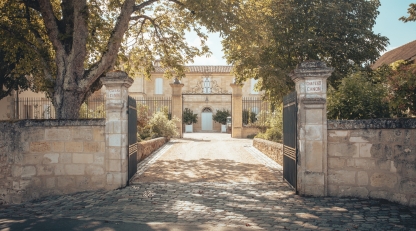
206 89
406 52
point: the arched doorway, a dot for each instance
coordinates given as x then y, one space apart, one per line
206 119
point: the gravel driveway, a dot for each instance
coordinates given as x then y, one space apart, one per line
207 157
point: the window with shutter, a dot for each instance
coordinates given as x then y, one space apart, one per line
159 86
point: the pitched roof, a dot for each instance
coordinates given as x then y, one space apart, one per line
201 69
406 52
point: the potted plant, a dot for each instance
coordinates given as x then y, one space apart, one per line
221 117
189 118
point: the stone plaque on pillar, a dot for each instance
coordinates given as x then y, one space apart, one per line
311 86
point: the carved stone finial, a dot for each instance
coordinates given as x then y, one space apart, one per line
176 81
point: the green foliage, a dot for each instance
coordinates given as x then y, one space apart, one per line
272 134
221 116
401 82
142 115
90 112
358 97
271 125
249 117
412 13
280 34
162 126
159 125
268 119
189 117
145 133
9 80
69 45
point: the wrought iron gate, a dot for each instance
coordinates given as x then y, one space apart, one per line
132 138
290 110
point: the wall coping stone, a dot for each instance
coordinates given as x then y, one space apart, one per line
372 124
55 122
267 141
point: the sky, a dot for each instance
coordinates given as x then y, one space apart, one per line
387 24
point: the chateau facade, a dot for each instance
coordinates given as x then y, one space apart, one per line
206 89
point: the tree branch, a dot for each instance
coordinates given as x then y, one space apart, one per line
51 25
41 42
143 4
109 56
34 4
78 51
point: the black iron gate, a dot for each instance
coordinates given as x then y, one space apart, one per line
290 110
132 137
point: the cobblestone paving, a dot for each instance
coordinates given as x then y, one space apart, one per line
268 205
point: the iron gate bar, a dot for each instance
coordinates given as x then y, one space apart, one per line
290 139
132 138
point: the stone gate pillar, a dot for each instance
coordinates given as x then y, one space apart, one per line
310 78
237 111
116 127
177 104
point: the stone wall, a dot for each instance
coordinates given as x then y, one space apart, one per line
272 149
247 131
145 148
373 159
49 157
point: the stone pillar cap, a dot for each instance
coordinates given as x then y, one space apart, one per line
311 69
117 77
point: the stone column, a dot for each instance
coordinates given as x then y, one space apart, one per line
177 104
310 78
237 111
116 127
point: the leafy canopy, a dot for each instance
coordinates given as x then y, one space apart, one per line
70 44
357 97
277 35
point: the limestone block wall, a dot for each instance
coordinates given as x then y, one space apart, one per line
247 131
145 148
50 157
373 159
272 149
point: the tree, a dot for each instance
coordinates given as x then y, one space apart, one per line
412 13
189 117
221 116
401 81
9 80
358 97
72 43
280 34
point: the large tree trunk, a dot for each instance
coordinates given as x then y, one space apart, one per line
68 95
69 106
68 36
